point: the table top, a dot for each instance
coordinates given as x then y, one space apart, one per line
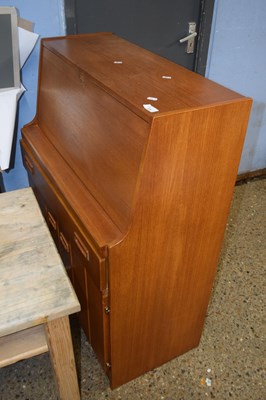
34 286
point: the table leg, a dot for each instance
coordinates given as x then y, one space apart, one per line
61 353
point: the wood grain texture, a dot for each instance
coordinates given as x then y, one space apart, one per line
34 287
61 352
168 260
149 193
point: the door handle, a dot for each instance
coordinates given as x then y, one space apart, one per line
81 246
52 221
190 38
185 39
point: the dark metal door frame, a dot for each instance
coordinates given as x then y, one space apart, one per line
204 30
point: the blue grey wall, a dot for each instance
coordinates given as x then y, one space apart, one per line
237 59
48 19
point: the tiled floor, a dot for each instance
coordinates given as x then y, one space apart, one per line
231 358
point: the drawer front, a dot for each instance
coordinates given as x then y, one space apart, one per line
35 178
47 201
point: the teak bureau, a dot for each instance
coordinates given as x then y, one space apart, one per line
136 200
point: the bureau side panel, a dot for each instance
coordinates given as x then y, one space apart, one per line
99 138
161 275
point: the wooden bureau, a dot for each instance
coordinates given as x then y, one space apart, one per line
136 200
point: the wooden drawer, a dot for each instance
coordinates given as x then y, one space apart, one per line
35 178
46 199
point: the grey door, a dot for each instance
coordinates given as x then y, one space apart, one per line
156 25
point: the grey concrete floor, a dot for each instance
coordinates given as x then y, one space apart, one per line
230 360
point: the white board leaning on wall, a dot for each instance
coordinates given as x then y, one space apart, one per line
16 45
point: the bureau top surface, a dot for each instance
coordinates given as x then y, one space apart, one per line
34 287
137 77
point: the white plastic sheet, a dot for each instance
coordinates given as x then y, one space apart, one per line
9 99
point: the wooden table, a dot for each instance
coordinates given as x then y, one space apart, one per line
36 295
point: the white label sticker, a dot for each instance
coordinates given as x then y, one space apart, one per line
152 98
166 77
150 108
118 62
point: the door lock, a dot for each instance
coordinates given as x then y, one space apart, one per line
190 38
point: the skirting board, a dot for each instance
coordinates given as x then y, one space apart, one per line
258 174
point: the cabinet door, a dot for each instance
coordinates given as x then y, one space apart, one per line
98 304
89 266
80 283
